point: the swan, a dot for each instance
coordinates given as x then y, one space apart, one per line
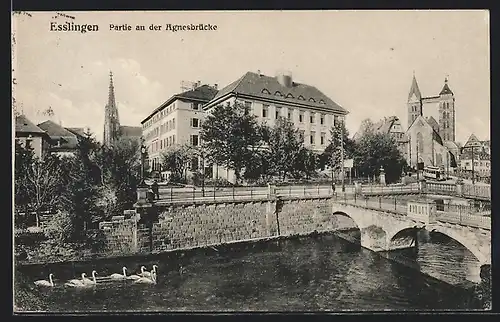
136 277
89 281
77 281
120 276
145 273
147 280
49 283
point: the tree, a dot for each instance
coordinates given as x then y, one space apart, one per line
230 134
305 164
332 156
285 147
379 150
176 160
23 160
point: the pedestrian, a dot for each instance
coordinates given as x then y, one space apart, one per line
154 187
333 186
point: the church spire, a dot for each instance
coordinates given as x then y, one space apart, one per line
111 119
446 89
414 90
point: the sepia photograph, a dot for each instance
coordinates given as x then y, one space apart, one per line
251 161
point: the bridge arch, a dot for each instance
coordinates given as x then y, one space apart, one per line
352 217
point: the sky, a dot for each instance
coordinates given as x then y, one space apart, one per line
362 60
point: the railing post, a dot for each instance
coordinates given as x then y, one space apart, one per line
171 193
304 190
214 191
289 191
345 198
380 202
251 193
395 203
354 197
318 189
233 192
193 194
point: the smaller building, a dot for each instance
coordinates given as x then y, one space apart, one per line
64 141
482 163
30 135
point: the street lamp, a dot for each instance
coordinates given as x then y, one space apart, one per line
143 157
342 153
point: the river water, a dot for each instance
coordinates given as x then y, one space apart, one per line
322 273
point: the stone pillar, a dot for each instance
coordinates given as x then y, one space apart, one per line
358 188
422 186
272 218
460 188
271 191
382 176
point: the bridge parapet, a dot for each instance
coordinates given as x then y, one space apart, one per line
422 211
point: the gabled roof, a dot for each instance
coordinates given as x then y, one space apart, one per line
24 125
203 93
446 90
76 130
435 134
266 87
68 140
131 131
414 89
433 123
472 141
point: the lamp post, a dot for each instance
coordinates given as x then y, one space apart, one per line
342 152
143 157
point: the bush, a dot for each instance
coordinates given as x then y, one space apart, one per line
60 228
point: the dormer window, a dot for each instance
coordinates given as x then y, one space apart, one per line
278 93
312 100
301 98
265 91
321 102
289 95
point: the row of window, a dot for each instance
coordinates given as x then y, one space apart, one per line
312 138
279 112
478 163
289 95
166 111
162 144
167 126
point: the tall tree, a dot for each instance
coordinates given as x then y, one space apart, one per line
379 150
176 160
230 134
332 156
285 147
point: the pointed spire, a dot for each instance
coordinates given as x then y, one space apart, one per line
111 119
414 88
111 94
446 89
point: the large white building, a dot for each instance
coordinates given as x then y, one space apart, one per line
311 111
175 122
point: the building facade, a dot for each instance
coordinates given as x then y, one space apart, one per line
175 122
64 141
433 141
29 135
269 98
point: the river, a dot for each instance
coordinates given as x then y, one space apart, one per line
322 273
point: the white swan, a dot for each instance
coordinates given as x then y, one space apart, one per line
77 281
49 283
89 281
120 276
147 280
136 276
145 273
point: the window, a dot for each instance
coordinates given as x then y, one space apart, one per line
322 139
301 135
194 164
312 100
195 106
173 138
301 98
335 119
321 102
194 140
173 124
290 114
476 163
278 93
195 122
312 137
265 91
322 119
289 95
311 118
301 117
265 110
278 112
248 105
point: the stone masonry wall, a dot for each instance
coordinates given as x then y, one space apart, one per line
120 236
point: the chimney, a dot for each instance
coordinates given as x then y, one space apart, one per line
285 78
258 72
216 86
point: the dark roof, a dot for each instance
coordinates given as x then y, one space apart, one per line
131 131
433 123
446 89
414 89
266 87
203 93
68 140
23 125
76 130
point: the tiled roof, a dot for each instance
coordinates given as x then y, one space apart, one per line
131 131
76 130
68 140
267 87
202 93
433 123
23 125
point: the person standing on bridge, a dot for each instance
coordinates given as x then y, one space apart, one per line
155 189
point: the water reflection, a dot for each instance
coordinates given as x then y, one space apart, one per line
306 274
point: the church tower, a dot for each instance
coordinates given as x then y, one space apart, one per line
447 113
111 120
414 102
